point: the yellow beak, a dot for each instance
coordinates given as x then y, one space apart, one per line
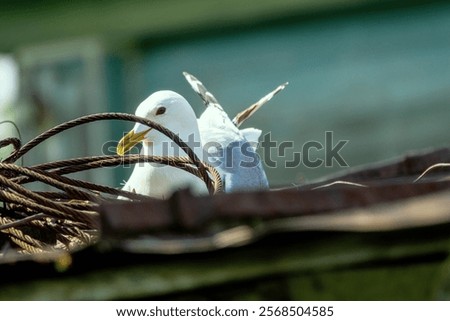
130 140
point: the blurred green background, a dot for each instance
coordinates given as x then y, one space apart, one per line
375 73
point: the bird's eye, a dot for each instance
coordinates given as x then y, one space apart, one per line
160 110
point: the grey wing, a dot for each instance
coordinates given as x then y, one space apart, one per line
240 171
246 113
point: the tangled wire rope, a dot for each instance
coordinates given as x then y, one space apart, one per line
66 219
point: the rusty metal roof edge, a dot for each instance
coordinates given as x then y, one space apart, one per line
387 217
184 211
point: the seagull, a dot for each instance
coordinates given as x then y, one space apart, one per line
172 111
232 151
214 138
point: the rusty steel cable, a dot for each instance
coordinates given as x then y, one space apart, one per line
109 116
36 221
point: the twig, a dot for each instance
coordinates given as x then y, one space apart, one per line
430 169
22 221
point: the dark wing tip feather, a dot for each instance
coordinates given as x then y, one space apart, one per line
246 113
201 90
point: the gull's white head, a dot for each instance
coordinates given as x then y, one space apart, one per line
168 109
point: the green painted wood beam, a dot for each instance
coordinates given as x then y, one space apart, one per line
122 22
311 254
